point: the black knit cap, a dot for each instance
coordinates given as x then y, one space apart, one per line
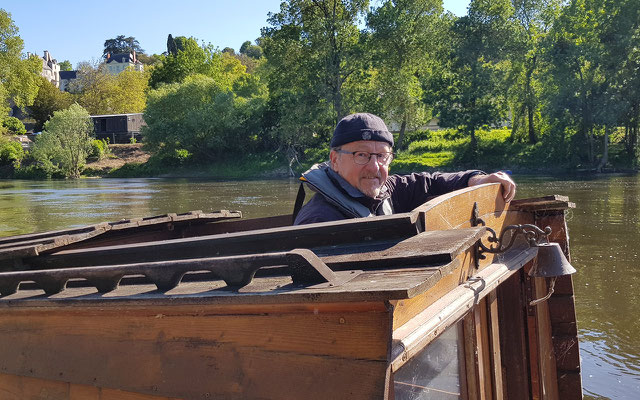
361 126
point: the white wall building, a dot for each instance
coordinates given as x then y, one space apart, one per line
50 68
117 63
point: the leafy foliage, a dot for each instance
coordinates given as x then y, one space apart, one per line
11 152
100 92
203 119
121 44
65 143
18 77
66 66
48 100
14 126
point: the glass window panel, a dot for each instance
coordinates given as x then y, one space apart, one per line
434 373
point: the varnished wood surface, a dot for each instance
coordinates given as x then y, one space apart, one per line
311 355
413 266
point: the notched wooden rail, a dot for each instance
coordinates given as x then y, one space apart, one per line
235 271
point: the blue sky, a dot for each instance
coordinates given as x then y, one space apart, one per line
76 30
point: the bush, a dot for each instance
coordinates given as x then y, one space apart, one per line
66 142
14 126
99 149
11 153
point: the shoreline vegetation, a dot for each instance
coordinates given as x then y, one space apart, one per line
443 150
533 87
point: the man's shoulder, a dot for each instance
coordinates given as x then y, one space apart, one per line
318 209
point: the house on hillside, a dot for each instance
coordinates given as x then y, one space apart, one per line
118 128
117 63
50 68
65 79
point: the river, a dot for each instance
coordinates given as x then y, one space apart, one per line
604 233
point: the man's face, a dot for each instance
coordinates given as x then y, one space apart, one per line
367 178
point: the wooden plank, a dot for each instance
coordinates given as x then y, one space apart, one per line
546 203
454 209
547 358
483 350
513 344
226 356
14 387
570 386
566 353
562 313
494 335
473 382
417 333
424 248
406 309
258 241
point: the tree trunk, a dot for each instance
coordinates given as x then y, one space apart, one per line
401 134
473 147
532 131
605 152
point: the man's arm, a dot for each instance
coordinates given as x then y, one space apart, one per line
508 185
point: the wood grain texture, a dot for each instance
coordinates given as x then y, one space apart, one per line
224 356
15 387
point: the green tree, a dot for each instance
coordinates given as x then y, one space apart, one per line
14 126
48 100
190 59
204 118
581 94
121 44
66 141
312 48
100 92
404 34
251 50
533 20
11 153
18 77
472 93
66 66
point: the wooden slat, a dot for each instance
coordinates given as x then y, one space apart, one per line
494 336
265 240
514 340
14 387
483 350
546 203
418 332
562 313
202 355
473 381
547 358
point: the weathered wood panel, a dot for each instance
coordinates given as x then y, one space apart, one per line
562 312
513 341
153 351
14 387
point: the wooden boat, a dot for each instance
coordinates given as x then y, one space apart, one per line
198 306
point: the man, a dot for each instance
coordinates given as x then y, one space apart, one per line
355 182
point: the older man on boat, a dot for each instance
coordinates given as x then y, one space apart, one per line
355 182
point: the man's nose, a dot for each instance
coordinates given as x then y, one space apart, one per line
373 164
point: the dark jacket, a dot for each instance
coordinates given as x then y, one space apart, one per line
406 192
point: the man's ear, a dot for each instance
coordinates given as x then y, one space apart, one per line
333 157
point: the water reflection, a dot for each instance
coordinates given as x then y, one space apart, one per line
604 229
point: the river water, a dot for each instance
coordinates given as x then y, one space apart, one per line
604 236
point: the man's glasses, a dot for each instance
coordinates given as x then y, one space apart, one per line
363 157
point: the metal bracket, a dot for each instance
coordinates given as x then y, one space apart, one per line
475 221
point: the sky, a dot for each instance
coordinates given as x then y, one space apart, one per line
75 30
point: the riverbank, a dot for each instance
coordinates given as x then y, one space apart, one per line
444 150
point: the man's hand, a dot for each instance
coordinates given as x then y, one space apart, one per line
508 185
